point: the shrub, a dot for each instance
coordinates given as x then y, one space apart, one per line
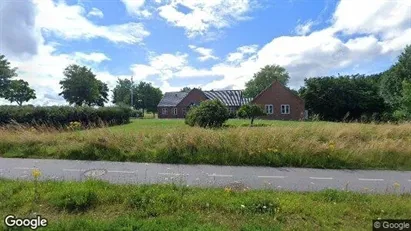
210 114
64 115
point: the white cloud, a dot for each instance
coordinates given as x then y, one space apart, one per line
241 53
135 8
205 53
204 15
94 12
372 16
69 22
305 28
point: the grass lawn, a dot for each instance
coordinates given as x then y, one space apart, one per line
278 143
96 205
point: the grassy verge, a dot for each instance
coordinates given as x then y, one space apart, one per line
96 205
278 143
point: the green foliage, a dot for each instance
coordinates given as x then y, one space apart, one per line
344 97
185 89
392 80
6 73
266 76
250 111
63 115
19 92
75 199
209 114
145 96
80 87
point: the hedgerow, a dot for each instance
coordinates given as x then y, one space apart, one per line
63 115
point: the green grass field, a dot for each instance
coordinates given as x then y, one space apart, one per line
96 205
277 144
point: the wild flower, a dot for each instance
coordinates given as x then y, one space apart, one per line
242 206
331 145
396 185
36 173
227 189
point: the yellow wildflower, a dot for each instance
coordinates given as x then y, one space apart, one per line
227 189
36 173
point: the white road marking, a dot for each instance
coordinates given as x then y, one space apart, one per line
24 168
170 174
321 178
118 171
218 175
74 170
368 179
280 177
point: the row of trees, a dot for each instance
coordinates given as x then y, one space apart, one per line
13 90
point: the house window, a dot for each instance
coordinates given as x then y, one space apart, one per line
164 111
184 110
175 111
269 109
285 109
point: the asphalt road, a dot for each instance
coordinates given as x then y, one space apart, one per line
294 179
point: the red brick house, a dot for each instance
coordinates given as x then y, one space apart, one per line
278 101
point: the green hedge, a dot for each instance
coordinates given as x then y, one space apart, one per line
63 115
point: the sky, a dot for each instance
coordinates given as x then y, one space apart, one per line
212 44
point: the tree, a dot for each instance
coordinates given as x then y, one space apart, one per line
264 78
19 92
392 80
404 112
80 87
343 97
121 92
185 89
6 73
209 114
145 96
250 111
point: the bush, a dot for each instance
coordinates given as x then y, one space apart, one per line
210 114
64 115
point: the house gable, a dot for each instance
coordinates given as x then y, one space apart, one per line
285 104
194 96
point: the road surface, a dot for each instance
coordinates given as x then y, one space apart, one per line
294 179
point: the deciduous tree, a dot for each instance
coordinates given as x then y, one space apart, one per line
250 111
264 78
6 73
19 92
80 87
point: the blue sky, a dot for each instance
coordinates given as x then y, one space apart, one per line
213 44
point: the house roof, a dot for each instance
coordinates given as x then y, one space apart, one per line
277 82
171 99
227 97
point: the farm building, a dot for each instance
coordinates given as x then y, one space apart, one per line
277 100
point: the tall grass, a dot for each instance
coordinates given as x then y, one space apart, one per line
296 144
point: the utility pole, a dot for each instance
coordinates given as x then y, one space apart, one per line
131 91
